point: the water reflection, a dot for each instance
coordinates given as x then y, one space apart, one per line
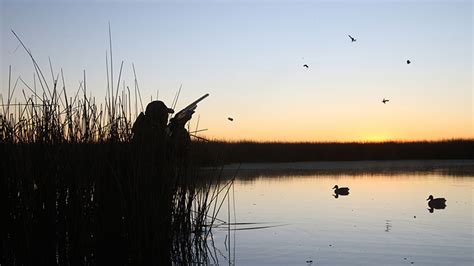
337 195
354 230
388 225
252 171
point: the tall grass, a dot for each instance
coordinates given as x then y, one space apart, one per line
75 190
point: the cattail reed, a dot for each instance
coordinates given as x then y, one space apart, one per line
75 190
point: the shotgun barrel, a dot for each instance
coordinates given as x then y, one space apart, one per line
189 110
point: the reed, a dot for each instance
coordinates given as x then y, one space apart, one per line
75 190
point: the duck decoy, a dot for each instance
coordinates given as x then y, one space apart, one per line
436 203
341 190
352 38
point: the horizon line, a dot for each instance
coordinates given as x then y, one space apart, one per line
343 142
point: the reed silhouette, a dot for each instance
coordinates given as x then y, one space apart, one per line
75 190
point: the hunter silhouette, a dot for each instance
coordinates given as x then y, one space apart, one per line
150 127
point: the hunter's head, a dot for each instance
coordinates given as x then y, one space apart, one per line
157 112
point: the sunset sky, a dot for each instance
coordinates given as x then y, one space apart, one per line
249 56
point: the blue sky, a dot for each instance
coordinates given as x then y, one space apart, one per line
249 56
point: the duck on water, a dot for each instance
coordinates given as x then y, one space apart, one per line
436 203
343 191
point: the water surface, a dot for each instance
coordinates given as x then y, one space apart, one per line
286 214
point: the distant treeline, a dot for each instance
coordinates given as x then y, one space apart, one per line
247 151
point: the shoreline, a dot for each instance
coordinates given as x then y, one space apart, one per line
340 165
457 168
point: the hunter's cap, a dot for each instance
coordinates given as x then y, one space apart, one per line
157 107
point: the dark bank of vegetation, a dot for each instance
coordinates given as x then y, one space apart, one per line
246 151
100 204
77 191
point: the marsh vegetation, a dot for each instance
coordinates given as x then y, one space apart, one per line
76 190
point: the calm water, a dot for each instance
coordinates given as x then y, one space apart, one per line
290 216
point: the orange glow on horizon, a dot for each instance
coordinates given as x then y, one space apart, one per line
371 139
339 124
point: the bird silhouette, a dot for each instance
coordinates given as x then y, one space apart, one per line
438 203
340 190
385 100
230 118
305 65
408 62
352 38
